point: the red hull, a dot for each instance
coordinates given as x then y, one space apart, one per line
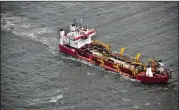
155 79
109 66
67 50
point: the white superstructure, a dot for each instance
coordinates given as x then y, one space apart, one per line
77 37
149 71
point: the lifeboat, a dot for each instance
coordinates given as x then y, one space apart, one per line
77 43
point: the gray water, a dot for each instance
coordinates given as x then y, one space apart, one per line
36 76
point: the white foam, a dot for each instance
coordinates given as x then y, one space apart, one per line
44 30
90 74
25 25
135 106
68 4
125 100
75 59
56 92
128 78
20 26
12 22
147 104
55 99
35 101
123 90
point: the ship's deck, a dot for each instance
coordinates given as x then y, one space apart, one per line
116 61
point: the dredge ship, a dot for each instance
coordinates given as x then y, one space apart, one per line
77 43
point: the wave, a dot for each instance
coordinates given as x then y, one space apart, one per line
55 99
46 98
125 100
21 26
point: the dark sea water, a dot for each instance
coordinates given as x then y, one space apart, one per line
36 76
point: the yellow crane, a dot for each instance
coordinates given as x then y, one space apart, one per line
137 57
121 51
106 46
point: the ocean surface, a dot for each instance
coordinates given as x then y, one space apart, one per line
36 76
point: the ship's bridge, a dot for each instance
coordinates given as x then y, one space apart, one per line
80 37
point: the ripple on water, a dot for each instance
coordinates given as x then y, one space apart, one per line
55 99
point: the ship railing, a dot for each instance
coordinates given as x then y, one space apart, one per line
129 59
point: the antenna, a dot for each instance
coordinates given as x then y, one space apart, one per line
82 23
153 57
101 19
74 21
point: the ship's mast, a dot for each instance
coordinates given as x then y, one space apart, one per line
82 23
74 21
87 27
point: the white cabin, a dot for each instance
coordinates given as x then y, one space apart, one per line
77 37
